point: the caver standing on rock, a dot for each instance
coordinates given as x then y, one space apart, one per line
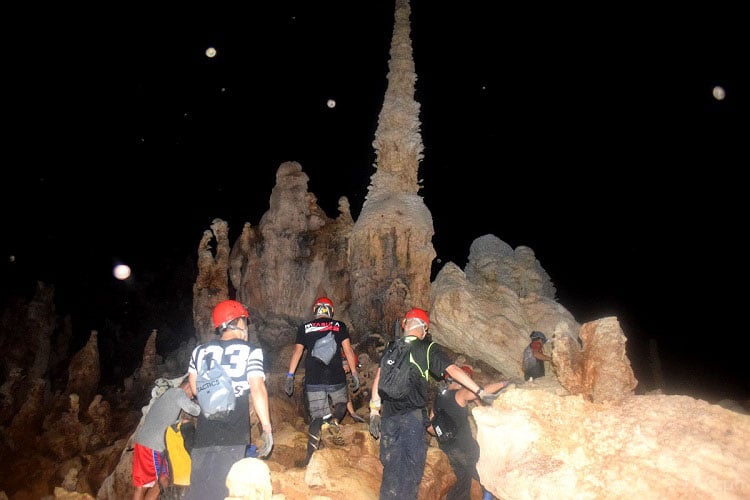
220 443
402 431
325 339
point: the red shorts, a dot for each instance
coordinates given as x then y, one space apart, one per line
148 465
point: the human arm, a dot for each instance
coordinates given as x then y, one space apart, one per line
463 395
259 400
186 403
293 362
463 378
375 407
430 429
346 346
539 354
468 392
193 380
296 356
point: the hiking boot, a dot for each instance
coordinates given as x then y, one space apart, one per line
334 429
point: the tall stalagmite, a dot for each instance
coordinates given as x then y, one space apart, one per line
391 248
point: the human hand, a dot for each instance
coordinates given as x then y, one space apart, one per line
488 397
355 382
375 424
289 385
266 444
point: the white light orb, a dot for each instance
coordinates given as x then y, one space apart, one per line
121 272
210 52
719 93
331 103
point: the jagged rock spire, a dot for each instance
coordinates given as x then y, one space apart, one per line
398 142
390 249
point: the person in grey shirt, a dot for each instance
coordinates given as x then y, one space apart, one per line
149 465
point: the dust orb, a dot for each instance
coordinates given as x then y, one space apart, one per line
210 52
719 93
121 272
331 103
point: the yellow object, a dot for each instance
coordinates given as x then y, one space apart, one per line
179 458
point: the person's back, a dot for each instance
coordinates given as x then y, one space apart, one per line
149 467
218 444
462 448
326 340
162 413
403 449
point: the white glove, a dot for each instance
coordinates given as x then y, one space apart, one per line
266 444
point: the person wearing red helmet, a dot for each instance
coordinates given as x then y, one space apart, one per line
404 440
461 448
219 444
325 339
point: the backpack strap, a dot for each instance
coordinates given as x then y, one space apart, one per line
426 372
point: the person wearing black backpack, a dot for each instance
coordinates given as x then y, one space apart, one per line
402 427
449 423
220 443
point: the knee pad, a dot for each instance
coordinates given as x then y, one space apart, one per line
315 425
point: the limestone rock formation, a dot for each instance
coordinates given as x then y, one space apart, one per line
598 368
541 444
84 371
211 286
488 320
491 260
391 252
297 253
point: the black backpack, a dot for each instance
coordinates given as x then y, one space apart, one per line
395 366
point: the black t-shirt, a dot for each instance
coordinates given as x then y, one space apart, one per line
317 372
419 395
464 443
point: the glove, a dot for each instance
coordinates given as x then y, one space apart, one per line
266 443
375 425
289 385
488 397
355 382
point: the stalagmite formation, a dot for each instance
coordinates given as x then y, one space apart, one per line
211 286
390 251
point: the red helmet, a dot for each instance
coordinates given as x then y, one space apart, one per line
226 311
323 307
419 314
